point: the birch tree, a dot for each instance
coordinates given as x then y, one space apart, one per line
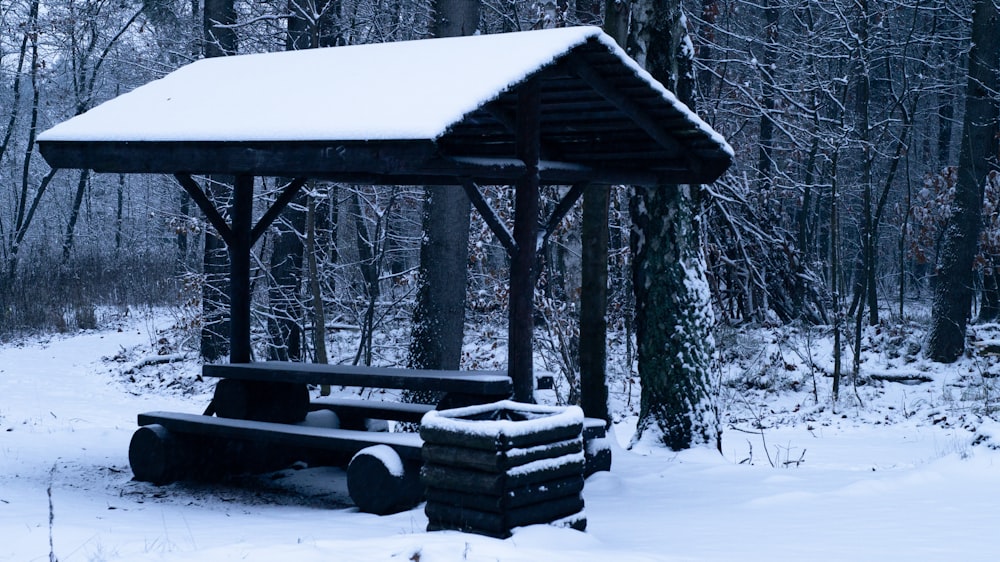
674 316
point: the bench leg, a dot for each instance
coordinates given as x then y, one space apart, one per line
261 401
161 456
380 482
156 455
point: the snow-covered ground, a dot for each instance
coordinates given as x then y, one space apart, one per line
894 472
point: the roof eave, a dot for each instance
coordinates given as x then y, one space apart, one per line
376 162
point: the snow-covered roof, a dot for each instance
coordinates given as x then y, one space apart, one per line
433 97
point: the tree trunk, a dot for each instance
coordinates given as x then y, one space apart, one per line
989 310
953 284
674 316
74 214
765 155
284 326
438 319
315 292
220 40
439 315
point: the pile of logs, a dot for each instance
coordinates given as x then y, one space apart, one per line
491 468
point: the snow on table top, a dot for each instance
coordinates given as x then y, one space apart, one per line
388 91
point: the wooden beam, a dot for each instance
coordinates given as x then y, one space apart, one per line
205 204
287 194
629 107
594 302
426 169
490 217
547 150
562 207
261 158
520 365
239 263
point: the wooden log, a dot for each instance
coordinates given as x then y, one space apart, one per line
155 455
465 480
594 428
481 383
498 441
161 456
380 482
545 512
597 456
443 516
463 399
519 497
496 461
296 436
261 401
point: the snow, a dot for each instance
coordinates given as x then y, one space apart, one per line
388 457
387 91
545 418
547 464
909 475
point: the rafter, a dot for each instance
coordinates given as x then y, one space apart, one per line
630 108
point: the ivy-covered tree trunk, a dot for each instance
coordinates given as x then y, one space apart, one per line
953 284
673 320
674 315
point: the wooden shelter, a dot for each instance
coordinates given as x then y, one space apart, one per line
558 107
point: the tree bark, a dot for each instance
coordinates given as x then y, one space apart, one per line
284 326
439 316
219 40
953 288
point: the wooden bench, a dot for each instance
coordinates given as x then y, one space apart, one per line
382 477
355 413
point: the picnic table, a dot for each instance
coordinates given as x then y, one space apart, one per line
255 423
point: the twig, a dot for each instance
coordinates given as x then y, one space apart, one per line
52 516
802 459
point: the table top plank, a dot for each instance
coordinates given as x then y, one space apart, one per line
488 383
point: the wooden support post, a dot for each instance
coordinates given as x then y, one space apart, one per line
522 270
594 303
239 260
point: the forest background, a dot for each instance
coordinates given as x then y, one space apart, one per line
846 118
